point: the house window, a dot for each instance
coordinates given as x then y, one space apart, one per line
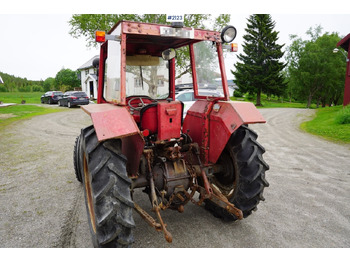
86 72
160 81
137 82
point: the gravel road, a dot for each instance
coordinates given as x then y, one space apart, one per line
307 203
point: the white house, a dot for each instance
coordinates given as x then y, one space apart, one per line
88 78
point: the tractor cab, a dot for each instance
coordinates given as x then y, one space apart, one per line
138 64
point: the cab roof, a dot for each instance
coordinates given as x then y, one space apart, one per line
148 38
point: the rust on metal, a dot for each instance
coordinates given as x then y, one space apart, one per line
89 197
222 201
173 153
155 206
207 186
203 175
167 235
150 220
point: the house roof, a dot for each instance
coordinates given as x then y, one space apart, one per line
345 42
93 76
88 64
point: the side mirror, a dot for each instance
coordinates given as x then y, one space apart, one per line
168 54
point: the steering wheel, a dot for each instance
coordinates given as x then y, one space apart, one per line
138 107
142 102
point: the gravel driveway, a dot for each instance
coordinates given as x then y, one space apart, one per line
307 203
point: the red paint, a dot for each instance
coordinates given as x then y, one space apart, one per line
172 79
223 71
149 120
169 120
111 121
229 117
212 128
123 71
145 132
132 148
194 72
196 125
103 57
345 44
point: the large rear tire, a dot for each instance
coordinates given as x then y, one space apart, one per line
242 180
107 191
77 159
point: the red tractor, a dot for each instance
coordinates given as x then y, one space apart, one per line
140 140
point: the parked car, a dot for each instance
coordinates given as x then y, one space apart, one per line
74 98
187 97
51 97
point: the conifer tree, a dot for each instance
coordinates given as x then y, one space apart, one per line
260 69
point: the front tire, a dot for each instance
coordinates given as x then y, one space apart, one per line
242 180
107 191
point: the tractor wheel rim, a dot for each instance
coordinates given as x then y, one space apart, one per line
89 198
229 172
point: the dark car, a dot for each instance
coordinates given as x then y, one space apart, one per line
74 98
51 97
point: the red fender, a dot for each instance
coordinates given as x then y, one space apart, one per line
111 121
211 124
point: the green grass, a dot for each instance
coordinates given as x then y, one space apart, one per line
343 116
274 103
14 113
325 125
17 97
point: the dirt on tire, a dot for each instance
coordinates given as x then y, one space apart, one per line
307 202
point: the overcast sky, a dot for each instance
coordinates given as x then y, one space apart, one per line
35 42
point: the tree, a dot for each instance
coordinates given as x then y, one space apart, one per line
315 73
260 69
85 25
49 84
66 79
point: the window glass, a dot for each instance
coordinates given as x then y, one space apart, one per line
147 76
207 65
112 72
111 90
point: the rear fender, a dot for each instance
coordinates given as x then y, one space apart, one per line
110 122
225 118
211 124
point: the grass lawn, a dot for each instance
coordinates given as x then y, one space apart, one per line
18 112
273 103
17 97
325 125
